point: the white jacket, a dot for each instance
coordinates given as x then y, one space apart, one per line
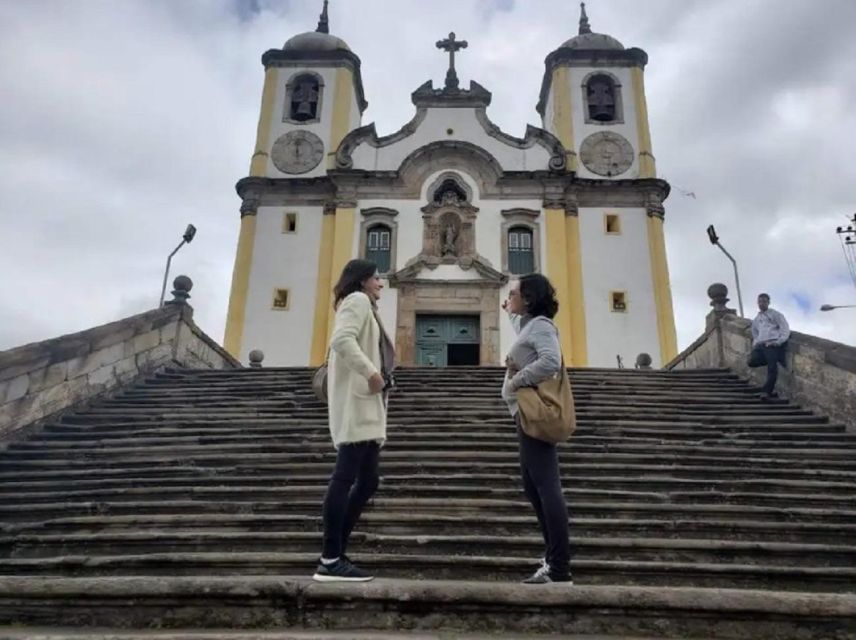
356 414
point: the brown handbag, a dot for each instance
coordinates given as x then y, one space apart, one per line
547 411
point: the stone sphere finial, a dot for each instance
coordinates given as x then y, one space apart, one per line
643 361
256 358
718 294
181 290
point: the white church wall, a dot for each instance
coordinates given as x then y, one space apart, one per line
465 127
628 129
286 261
617 263
322 128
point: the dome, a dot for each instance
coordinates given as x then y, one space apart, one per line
315 41
593 41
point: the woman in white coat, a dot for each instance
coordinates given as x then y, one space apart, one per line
359 372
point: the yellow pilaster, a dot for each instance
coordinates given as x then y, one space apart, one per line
240 286
323 292
662 290
343 99
576 300
647 167
258 165
343 243
563 122
557 272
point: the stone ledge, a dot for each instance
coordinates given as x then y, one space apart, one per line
253 602
40 380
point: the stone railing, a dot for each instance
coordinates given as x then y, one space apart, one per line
820 374
42 379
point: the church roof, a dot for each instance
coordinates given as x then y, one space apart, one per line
586 39
318 40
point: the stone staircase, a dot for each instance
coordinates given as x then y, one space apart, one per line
193 500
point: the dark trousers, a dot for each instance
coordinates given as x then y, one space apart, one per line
769 357
539 469
353 483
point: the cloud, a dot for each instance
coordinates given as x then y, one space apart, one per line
122 122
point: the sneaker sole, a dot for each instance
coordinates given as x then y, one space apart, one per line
323 578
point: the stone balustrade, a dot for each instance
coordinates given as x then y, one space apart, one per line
821 374
42 379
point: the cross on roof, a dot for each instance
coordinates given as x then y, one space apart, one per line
451 45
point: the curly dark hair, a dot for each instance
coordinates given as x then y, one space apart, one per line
355 273
539 295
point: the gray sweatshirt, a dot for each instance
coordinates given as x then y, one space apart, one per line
536 353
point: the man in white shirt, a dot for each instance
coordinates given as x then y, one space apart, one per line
770 333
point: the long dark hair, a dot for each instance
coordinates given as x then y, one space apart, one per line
539 295
355 273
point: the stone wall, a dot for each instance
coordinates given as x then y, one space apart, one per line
821 374
42 379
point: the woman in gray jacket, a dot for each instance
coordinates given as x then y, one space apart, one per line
534 357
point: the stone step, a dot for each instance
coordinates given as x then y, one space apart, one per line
733 529
457 482
66 633
257 602
281 490
440 567
705 551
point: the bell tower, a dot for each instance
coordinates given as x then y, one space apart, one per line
593 100
311 99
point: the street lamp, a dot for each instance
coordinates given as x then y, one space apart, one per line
188 236
714 239
830 307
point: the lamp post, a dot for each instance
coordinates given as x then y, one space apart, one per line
830 307
187 238
714 239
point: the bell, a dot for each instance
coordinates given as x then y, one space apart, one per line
602 112
304 109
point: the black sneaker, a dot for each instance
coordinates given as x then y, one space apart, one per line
340 571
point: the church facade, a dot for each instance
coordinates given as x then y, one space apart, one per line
451 209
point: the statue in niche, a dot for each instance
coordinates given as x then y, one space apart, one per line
450 239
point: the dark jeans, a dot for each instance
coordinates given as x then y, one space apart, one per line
539 469
352 485
769 357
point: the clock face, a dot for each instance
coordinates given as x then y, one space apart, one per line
297 152
606 153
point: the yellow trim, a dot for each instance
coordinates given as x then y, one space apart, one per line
557 271
576 299
340 254
343 99
662 290
647 167
240 286
258 165
563 114
323 292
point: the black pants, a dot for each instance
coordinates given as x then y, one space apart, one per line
352 485
769 357
539 469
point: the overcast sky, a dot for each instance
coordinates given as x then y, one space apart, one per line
122 121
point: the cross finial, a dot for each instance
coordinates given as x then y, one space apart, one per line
585 27
323 23
451 45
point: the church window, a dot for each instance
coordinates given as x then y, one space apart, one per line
602 94
289 222
612 223
449 191
303 99
379 246
618 301
281 299
520 251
